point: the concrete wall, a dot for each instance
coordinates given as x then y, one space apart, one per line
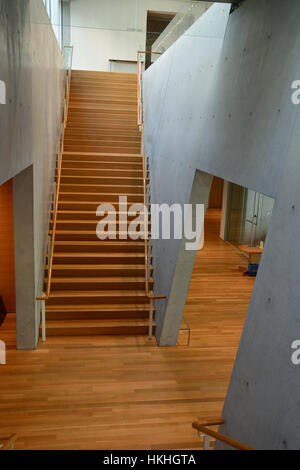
15 71
7 270
248 133
178 89
48 75
27 318
111 29
32 68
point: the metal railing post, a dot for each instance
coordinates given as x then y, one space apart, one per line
151 318
43 303
140 116
206 442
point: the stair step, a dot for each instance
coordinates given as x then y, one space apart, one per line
95 328
101 125
97 197
84 297
98 137
90 235
96 271
94 312
103 246
98 283
85 225
99 258
126 81
74 142
87 216
97 177
104 168
107 99
90 188
110 93
89 205
88 81
107 131
102 149
101 157
126 121
88 88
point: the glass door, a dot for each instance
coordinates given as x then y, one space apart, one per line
248 216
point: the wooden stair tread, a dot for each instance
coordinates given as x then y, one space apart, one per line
96 266
103 323
100 294
98 287
130 180
100 307
95 162
124 155
103 243
98 255
80 194
92 215
88 280
90 232
66 188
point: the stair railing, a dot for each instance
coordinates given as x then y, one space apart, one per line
206 433
51 239
8 442
146 193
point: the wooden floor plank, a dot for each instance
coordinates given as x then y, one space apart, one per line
125 392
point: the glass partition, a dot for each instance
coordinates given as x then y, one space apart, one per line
248 216
68 57
184 19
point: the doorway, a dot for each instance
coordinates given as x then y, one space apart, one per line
248 215
7 269
220 292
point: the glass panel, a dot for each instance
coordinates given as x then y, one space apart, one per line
67 56
249 215
184 19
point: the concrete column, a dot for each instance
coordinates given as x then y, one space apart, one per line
168 333
24 259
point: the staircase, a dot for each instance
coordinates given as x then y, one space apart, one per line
98 287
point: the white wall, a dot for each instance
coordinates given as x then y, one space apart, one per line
111 29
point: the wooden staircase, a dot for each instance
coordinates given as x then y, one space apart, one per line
98 287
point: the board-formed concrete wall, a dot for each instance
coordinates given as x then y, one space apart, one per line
248 133
32 68
177 91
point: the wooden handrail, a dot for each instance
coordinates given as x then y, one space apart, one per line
7 442
149 52
50 261
204 429
138 87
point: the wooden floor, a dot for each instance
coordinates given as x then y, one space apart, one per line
124 392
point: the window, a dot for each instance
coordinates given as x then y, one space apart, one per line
54 10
